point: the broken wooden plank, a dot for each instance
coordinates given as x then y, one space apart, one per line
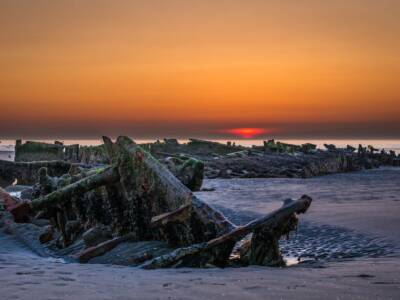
101 248
181 214
263 248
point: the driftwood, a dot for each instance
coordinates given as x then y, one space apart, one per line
273 219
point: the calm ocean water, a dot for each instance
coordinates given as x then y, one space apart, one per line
7 146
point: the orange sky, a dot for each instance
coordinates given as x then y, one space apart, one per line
194 68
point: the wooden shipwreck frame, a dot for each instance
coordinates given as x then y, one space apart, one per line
139 199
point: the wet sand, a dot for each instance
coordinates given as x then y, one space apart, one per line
7 155
350 229
366 201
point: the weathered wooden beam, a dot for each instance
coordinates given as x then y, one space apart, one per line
155 181
152 176
101 248
272 219
181 214
263 248
102 177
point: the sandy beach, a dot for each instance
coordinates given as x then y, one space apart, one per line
349 244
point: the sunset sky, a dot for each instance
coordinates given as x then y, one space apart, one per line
71 69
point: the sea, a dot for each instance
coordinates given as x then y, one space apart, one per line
7 146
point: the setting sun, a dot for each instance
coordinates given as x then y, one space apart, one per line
247 133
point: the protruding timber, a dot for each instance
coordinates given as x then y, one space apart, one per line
273 219
107 175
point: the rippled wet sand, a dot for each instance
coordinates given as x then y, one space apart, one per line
352 215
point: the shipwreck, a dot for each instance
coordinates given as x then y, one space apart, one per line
136 211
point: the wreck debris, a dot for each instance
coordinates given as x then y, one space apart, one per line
308 148
273 159
263 248
81 186
272 220
6 200
38 151
271 146
189 171
155 191
26 172
136 198
350 148
195 148
96 235
181 214
93 155
330 147
101 248
362 150
372 149
19 209
268 162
